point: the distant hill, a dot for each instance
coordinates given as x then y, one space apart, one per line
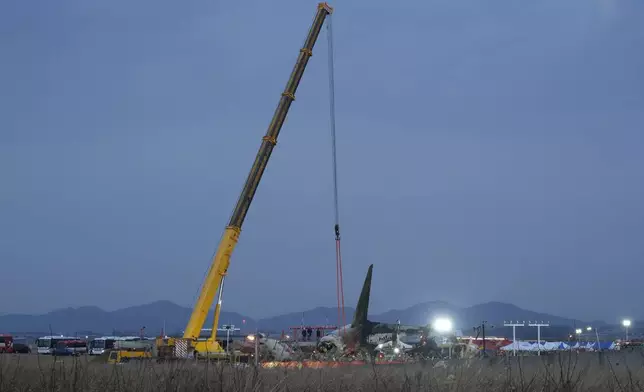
495 313
129 320
154 315
420 314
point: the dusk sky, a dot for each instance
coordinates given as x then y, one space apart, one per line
487 150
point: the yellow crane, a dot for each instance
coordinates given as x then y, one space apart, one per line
213 283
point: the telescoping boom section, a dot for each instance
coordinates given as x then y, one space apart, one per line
221 260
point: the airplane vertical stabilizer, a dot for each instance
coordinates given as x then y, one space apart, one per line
360 316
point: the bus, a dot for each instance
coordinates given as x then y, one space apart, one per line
47 344
104 344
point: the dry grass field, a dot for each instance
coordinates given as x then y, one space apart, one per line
562 372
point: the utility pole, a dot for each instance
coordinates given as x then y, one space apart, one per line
514 326
256 348
538 325
481 329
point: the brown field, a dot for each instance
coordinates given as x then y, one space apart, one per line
561 372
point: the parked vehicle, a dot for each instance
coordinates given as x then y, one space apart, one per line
70 347
47 344
121 356
105 344
6 344
21 346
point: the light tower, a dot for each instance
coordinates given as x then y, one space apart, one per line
538 325
514 325
626 323
228 328
590 329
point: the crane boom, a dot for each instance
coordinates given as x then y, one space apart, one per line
221 260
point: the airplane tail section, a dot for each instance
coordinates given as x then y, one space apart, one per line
360 317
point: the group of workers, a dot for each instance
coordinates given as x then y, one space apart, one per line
308 332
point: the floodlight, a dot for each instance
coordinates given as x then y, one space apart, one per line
442 325
589 329
396 350
626 323
578 331
250 338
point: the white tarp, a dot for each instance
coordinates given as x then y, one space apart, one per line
519 345
552 346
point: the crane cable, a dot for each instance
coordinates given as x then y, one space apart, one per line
338 252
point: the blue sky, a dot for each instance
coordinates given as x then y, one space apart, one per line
487 151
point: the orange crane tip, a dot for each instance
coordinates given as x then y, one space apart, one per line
325 6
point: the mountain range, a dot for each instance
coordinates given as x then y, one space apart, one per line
156 315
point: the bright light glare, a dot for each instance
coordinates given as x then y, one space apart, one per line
578 331
442 325
396 350
626 323
589 328
250 337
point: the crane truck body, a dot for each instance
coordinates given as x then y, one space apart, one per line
214 281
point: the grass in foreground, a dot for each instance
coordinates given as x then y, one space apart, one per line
562 373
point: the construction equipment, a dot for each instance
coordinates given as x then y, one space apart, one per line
134 345
121 356
126 350
214 281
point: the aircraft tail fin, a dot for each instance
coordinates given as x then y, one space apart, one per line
362 308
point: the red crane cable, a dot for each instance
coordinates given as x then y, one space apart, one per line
337 284
338 257
338 253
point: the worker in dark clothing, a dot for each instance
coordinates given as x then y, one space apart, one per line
303 334
318 334
309 332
